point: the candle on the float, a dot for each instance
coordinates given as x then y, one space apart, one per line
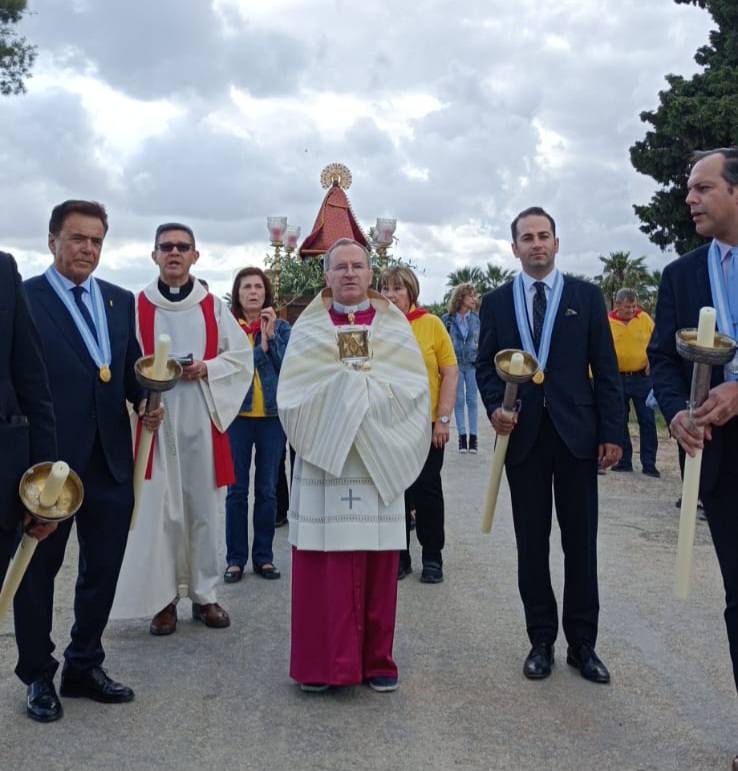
159 369
54 484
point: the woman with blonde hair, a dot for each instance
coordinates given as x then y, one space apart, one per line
462 323
400 286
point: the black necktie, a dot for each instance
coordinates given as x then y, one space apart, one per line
78 291
539 311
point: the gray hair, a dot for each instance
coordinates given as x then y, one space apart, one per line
345 242
625 295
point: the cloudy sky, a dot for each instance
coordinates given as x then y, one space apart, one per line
451 116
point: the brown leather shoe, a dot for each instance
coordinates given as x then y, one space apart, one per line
211 614
165 621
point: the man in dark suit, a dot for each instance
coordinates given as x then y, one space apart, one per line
707 276
27 433
88 329
565 426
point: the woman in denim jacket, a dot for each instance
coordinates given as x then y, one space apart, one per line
462 324
256 427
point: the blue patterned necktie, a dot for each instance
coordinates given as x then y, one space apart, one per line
539 311
78 291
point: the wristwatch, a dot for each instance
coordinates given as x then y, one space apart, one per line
444 419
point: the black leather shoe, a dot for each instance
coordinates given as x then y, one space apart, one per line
96 685
432 573
539 661
586 661
42 703
403 571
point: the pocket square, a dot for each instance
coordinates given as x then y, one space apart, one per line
570 312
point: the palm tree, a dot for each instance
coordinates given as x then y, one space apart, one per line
620 270
495 276
465 275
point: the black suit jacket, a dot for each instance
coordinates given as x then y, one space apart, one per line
85 406
26 415
584 412
684 289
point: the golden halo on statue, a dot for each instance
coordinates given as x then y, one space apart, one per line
336 173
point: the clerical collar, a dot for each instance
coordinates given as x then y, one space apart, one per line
176 293
346 309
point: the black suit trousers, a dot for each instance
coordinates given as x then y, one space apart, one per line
426 496
102 531
550 472
720 510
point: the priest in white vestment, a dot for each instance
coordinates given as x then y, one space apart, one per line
173 549
361 432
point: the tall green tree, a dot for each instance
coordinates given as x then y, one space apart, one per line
16 53
698 113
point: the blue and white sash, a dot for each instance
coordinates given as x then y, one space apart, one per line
521 316
100 352
719 290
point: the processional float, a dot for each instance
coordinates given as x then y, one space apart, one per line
513 367
706 348
50 492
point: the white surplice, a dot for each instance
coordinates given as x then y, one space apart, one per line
174 545
361 436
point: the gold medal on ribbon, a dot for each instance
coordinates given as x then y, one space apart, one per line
105 373
538 376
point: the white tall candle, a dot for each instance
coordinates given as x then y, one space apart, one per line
691 480
159 370
54 484
517 360
706 328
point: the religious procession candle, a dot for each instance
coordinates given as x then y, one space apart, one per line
691 481
706 328
159 370
516 366
54 484
516 363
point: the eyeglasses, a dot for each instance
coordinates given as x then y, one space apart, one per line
167 246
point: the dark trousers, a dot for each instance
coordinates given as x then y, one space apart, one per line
102 533
550 465
283 488
636 388
425 495
8 540
720 509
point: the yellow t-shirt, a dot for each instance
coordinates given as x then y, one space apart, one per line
630 341
257 396
437 350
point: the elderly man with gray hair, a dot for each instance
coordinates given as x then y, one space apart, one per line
631 329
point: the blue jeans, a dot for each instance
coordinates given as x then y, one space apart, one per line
636 388
266 437
466 391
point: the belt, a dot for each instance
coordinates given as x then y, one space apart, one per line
637 372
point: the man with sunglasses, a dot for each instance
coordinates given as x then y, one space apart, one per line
173 550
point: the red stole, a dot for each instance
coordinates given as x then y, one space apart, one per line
224 473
